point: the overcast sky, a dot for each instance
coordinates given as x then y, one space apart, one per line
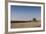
25 12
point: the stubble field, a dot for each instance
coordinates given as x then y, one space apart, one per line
26 24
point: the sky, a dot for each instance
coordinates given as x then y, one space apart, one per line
25 12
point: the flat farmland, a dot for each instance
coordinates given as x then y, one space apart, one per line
25 24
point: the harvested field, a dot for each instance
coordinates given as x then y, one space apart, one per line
25 24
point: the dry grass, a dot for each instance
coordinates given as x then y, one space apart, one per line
26 25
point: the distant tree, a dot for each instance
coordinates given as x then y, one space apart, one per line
34 19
